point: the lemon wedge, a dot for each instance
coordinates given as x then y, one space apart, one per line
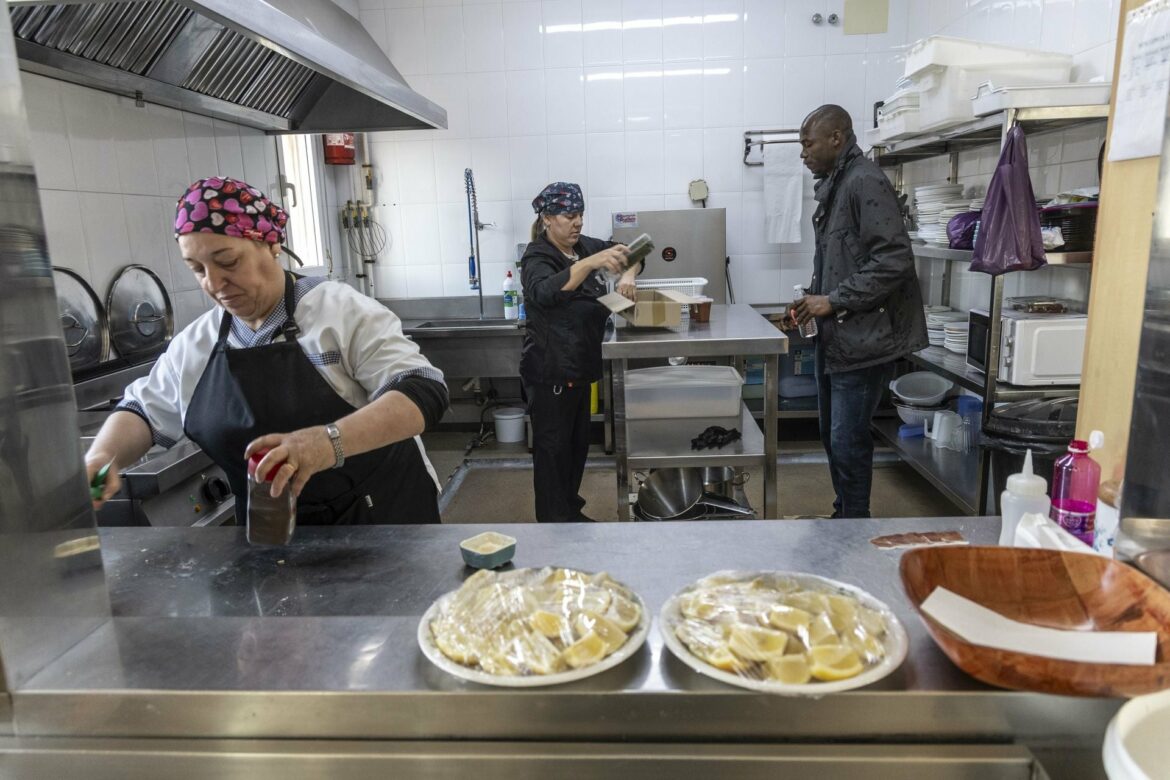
605 628
788 618
752 643
578 596
788 669
722 658
551 625
540 655
807 600
455 644
586 651
867 645
623 612
821 631
834 662
872 621
842 612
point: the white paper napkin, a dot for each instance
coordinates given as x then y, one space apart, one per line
982 626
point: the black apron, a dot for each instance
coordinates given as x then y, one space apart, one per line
246 393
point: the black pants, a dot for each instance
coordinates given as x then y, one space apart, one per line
560 445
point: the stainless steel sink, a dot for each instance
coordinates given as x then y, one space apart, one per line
467 324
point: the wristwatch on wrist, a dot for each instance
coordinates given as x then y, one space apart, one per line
335 440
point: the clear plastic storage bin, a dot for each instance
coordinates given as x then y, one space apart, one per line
669 392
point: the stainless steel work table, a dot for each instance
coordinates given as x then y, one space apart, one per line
214 644
734 330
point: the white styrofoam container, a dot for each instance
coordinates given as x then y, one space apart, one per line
668 392
990 98
940 50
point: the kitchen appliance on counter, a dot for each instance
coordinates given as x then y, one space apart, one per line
1035 349
176 487
688 243
171 488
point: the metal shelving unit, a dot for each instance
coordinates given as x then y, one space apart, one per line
954 474
941 471
734 331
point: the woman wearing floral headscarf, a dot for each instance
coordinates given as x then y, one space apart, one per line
309 369
563 276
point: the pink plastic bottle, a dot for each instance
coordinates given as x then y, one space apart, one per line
1075 478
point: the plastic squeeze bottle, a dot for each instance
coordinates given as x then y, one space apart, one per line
511 298
270 520
1075 479
1026 493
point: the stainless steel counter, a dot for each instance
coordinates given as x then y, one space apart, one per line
734 331
213 638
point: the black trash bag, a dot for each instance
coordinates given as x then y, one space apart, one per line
1009 231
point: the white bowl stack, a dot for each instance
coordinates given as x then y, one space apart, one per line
930 203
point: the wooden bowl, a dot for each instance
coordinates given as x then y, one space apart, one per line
1045 588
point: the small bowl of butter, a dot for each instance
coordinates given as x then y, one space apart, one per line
488 550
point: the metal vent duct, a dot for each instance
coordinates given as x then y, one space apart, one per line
278 65
127 36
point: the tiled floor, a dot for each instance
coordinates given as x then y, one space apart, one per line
496 487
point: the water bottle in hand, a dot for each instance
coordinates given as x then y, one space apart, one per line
808 329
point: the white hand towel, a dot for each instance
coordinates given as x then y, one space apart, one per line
783 192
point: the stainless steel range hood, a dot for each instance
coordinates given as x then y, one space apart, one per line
283 66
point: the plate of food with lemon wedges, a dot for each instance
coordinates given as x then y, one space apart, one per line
533 627
783 632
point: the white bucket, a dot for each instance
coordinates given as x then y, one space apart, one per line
1135 742
509 424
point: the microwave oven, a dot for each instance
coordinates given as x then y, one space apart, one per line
1034 349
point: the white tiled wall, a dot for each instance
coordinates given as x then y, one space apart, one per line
109 175
635 98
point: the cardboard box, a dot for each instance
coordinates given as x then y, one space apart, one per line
653 309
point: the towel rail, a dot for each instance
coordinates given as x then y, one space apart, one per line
748 143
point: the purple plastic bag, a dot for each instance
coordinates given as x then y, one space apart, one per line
961 230
1009 232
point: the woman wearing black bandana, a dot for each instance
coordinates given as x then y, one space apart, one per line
563 273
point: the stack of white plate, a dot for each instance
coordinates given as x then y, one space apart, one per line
937 318
929 203
977 204
955 337
951 210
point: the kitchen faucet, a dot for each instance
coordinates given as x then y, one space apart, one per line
474 258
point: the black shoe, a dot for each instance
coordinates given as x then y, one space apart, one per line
582 518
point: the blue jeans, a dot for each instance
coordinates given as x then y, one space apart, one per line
847 401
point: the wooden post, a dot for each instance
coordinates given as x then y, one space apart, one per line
1121 259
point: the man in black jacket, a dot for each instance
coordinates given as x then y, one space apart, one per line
562 273
864 296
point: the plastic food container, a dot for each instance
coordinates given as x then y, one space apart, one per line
916 415
922 388
946 72
1135 742
488 550
669 392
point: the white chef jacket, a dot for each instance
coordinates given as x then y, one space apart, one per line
355 342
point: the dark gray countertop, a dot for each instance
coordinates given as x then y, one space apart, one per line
205 625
